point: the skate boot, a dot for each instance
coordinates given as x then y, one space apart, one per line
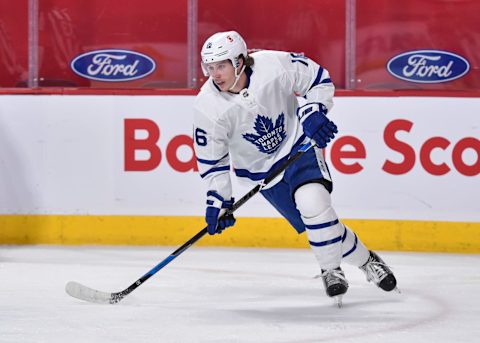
335 284
377 271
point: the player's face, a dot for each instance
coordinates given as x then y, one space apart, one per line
222 73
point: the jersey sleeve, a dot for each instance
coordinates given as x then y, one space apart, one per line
309 79
211 150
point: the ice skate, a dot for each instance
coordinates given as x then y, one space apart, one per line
377 271
335 284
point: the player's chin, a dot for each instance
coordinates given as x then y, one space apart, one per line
222 85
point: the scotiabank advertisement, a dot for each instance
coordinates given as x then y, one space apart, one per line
394 157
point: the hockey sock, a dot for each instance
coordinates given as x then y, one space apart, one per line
323 228
354 251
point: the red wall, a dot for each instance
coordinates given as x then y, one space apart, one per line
13 42
388 28
384 28
315 27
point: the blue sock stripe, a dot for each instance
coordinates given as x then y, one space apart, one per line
353 248
321 244
322 226
344 234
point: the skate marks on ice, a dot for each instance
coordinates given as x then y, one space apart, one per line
371 319
232 295
293 303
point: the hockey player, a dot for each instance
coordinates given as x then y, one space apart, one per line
247 115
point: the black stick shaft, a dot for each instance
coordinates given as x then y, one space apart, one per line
116 297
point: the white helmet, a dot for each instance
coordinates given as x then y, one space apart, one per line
223 46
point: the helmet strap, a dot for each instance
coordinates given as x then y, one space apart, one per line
237 76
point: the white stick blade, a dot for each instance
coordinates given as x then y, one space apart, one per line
85 293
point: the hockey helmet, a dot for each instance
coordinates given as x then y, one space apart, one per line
223 46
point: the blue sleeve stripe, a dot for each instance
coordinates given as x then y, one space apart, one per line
213 170
317 79
211 162
262 175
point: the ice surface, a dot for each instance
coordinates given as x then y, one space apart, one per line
232 295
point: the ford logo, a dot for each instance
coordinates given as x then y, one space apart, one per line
113 65
428 66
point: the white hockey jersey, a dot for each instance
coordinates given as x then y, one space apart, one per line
256 130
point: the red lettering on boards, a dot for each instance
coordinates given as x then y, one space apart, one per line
339 155
343 151
133 144
150 144
426 149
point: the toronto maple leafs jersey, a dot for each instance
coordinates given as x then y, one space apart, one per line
254 131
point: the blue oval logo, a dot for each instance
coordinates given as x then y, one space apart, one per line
428 66
113 65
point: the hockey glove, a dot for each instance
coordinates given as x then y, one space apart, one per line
215 203
315 123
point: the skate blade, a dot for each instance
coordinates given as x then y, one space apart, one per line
338 300
396 289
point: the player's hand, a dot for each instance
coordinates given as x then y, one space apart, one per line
315 123
216 221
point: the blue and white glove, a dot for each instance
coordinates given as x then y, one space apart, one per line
215 203
315 123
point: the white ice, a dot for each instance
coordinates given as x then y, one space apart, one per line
232 295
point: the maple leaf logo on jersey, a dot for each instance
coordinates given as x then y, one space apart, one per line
268 137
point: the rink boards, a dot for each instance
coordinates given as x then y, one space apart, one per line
120 170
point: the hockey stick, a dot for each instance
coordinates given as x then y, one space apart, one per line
82 292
